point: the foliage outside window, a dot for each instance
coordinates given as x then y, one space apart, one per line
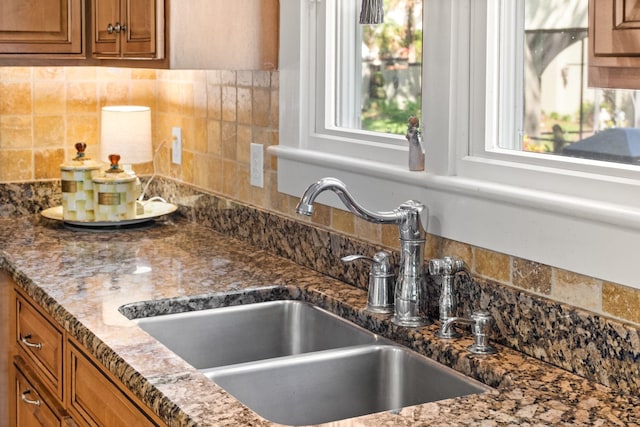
392 68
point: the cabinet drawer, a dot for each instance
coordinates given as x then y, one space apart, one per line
41 342
31 402
96 400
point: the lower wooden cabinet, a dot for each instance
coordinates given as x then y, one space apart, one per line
48 379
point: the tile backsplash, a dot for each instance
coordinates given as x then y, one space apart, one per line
44 111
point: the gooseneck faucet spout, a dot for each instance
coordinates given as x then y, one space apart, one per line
305 206
411 218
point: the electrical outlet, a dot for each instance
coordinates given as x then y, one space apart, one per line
176 146
257 161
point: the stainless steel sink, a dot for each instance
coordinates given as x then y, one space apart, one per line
230 335
294 363
333 385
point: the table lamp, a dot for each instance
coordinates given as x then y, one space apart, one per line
126 130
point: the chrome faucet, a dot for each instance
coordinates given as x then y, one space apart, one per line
411 218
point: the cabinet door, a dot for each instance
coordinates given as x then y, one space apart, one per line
41 26
614 43
95 398
125 28
616 28
140 37
107 27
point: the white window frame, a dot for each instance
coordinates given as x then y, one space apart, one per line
581 218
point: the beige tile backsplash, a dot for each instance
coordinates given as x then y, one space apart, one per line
44 111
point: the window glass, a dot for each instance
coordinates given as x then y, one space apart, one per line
388 66
561 114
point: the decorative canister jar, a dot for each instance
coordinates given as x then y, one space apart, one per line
77 186
115 197
115 193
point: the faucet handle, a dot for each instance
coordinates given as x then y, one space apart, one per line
381 282
380 263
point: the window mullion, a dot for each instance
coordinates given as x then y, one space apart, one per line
446 80
345 94
511 77
316 69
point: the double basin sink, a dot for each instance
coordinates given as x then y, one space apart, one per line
296 364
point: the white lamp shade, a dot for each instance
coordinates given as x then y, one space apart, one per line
126 130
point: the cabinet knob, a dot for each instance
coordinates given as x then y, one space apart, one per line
25 341
116 29
23 397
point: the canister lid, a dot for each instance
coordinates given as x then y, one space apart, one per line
80 162
114 178
75 165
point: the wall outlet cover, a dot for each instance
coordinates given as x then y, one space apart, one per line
257 165
176 146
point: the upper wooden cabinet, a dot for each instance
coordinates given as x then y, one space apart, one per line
127 28
614 43
43 27
176 34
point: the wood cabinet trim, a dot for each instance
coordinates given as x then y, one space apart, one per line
7 351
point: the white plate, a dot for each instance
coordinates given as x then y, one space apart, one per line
152 209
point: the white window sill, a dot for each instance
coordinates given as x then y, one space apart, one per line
593 238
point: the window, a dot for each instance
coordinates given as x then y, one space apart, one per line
523 38
559 114
482 185
378 68
353 99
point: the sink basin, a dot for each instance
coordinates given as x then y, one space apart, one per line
230 335
294 363
333 385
